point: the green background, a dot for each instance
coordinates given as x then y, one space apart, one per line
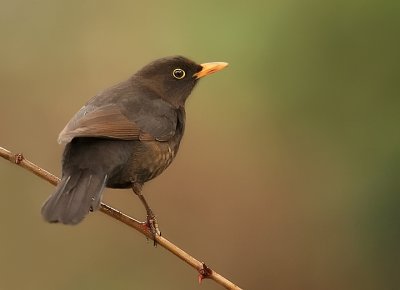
288 174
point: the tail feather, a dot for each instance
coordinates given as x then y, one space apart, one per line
74 197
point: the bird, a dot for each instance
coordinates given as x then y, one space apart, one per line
123 137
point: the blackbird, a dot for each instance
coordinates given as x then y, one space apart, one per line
123 137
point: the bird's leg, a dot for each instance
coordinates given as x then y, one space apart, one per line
151 218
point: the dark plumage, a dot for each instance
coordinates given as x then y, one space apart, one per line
123 137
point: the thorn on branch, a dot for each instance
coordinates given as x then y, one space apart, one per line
204 272
18 158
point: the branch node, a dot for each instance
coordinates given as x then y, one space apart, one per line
204 272
18 158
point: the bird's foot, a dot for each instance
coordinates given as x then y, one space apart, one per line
152 225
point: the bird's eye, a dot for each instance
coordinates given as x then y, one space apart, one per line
178 73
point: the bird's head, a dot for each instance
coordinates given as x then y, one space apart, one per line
173 78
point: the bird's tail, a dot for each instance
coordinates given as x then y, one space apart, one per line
75 196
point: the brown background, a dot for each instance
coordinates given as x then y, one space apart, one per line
287 177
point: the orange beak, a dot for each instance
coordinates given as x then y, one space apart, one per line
209 68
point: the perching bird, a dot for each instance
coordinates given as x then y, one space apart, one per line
124 136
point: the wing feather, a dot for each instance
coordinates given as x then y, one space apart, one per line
107 122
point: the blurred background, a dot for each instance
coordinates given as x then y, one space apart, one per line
287 177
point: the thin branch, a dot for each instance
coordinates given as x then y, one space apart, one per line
204 271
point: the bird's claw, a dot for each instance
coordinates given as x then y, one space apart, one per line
152 225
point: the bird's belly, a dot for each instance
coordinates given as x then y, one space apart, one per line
148 160
159 156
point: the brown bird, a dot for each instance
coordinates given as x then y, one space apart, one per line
124 136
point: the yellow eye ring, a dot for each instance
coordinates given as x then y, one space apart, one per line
178 73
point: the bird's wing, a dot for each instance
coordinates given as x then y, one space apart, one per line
110 122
